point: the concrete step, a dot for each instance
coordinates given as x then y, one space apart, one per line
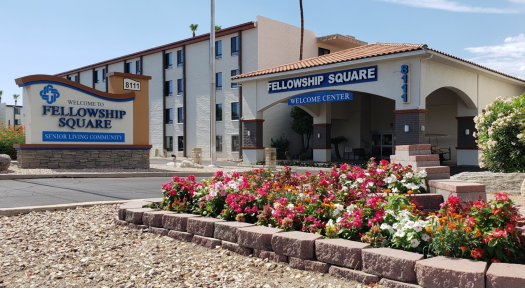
414 158
466 191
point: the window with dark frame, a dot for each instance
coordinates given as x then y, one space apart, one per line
234 72
180 143
180 115
218 81
218 49
218 112
235 45
235 111
96 76
180 57
169 87
218 143
180 86
322 51
169 143
17 110
17 122
128 67
104 75
169 116
235 143
138 66
168 60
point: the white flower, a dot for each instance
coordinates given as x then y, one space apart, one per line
338 209
395 226
342 176
344 188
330 223
400 233
370 184
422 174
384 226
417 227
409 175
290 206
360 180
409 225
390 212
425 237
350 208
395 190
338 220
414 242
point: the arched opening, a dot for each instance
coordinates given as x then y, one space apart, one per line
444 105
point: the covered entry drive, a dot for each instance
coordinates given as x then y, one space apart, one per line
376 96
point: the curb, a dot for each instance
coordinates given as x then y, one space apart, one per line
24 210
108 175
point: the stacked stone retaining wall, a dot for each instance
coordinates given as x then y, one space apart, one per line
82 159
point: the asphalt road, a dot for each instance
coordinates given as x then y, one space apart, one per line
41 192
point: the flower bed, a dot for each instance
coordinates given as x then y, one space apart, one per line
372 205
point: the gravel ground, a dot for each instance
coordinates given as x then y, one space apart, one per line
14 170
83 248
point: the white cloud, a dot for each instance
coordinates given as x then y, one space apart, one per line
453 6
508 57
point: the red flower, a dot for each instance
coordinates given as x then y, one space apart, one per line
477 253
494 260
509 228
501 197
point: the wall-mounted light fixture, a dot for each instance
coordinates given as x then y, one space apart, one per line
407 128
248 133
422 128
319 135
467 132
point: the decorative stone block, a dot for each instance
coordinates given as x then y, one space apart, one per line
135 215
227 231
177 222
503 275
180 236
295 244
137 227
396 284
236 248
428 201
206 242
256 237
271 256
154 219
340 252
121 223
451 272
308 265
354 275
390 263
202 226
158 231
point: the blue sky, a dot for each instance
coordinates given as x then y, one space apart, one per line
52 36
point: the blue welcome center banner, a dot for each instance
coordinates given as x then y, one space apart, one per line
320 97
65 136
350 76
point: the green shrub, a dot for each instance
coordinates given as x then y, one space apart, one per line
501 135
10 136
282 145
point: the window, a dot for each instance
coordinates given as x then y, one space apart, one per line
169 116
17 122
235 111
218 49
235 45
218 112
218 81
235 72
180 86
168 86
322 51
17 110
169 143
180 143
168 60
96 76
180 57
138 67
104 75
180 114
73 78
218 143
235 143
128 67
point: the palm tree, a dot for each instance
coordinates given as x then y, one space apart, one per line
1 96
218 27
193 28
302 30
15 97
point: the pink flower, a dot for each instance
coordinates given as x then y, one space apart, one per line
501 197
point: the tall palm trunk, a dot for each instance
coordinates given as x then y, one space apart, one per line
302 29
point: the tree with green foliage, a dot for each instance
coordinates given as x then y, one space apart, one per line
336 141
1 96
15 97
193 28
218 27
282 145
302 124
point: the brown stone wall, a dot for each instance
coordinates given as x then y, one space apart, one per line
82 159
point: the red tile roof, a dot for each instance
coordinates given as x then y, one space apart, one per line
361 52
